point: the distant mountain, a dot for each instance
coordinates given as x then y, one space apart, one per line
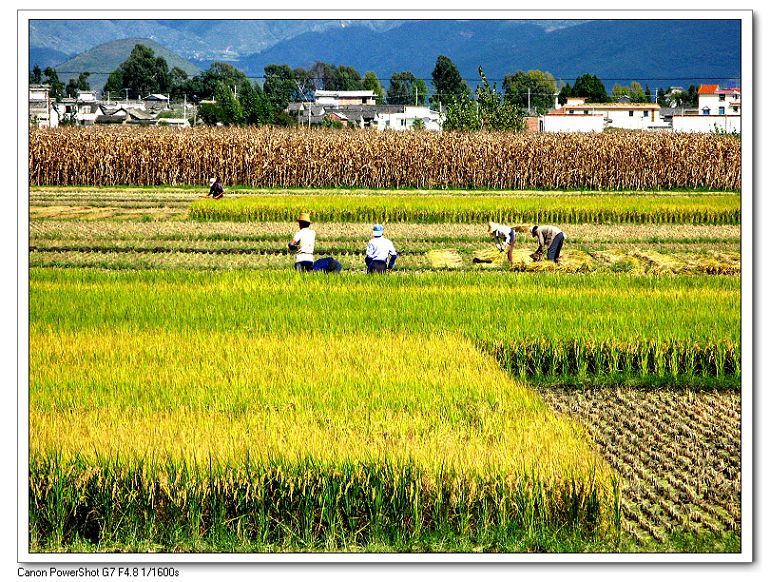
46 57
196 40
657 53
653 52
103 59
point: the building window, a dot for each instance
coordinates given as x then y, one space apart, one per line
721 97
631 113
646 113
735 110
571 111
721 111
585 112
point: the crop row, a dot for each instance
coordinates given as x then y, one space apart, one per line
270 157
255 256
454 233
612 362
725 209
285 506
624 309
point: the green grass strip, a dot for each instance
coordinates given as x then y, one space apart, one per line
720 209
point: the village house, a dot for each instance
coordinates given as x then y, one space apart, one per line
719 110
577 115
358 115
408 117
125 116
42 111
338 98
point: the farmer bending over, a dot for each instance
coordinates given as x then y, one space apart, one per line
503 235
549 238
380 252
216 190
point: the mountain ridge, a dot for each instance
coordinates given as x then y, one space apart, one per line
655 52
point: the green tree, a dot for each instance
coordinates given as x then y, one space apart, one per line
206 83
372 83
461 114
35 76
534 90
447 82
490 111
256 109
565 93
406 89
495 114
141 73
346 78
57 87
79 84
280 86
179 81
635 93
230 111
590 87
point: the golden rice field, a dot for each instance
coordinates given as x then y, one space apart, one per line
190 393
290 158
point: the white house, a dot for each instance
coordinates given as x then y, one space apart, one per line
337 98
562 121
706 123
406 118
620 115
42 109
715 101
719 110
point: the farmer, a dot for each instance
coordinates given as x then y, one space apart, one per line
503 235
550 239
303 244
216 190
380 252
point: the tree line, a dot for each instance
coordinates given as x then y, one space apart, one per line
227 96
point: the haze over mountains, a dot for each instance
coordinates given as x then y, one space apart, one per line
656 53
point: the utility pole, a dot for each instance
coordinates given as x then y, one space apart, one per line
529 109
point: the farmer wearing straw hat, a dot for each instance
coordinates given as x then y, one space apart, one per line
380 252
503 235
550 239
215 188
303 244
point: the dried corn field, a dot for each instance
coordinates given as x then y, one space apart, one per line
678 454
284 158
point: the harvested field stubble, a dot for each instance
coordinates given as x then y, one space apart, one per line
271 157
678 452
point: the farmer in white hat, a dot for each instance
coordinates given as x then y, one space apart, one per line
303 244
380 252
504 236
550 239
216 190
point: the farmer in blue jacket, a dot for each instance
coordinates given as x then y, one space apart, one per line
380 252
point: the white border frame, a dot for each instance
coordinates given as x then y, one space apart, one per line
747 281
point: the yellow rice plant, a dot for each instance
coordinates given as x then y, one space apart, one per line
395 398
